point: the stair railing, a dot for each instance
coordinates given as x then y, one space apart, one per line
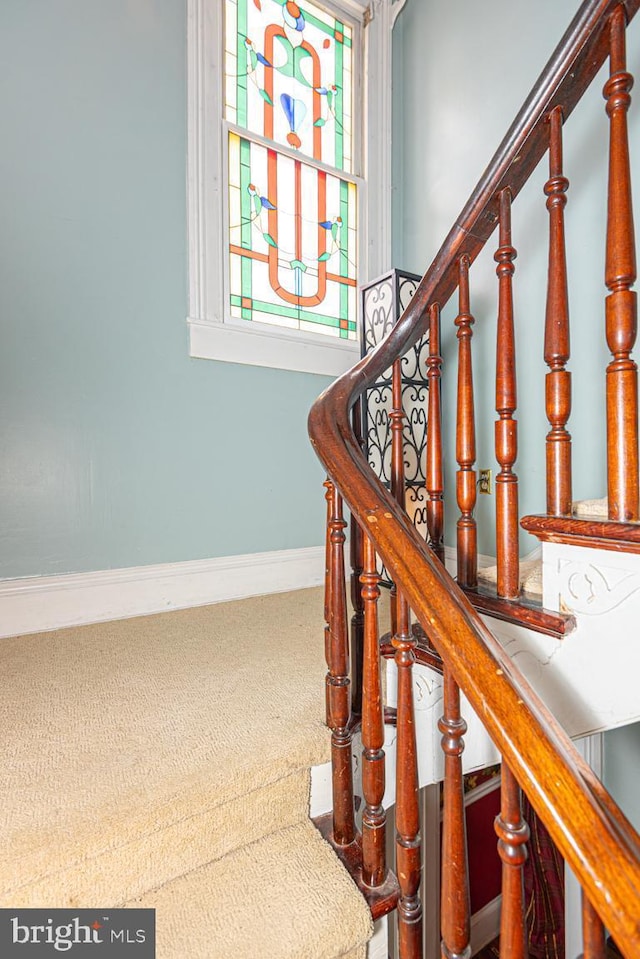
591 833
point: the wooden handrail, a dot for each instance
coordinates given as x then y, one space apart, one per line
591 833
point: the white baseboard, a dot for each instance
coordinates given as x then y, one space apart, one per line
485 925
50 602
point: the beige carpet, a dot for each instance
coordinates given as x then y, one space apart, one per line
144 750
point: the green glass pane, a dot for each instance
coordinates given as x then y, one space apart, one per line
288 76
292 242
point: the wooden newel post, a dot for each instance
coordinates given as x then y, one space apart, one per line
620 275
506 428
455 919
556 335
373 761
513 834
338 682
434 468
466 439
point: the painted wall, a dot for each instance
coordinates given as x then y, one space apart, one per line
117 448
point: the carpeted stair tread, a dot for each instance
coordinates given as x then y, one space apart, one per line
137 734
277 897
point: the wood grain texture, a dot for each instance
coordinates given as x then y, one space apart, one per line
434 460
593 932
357 617
556 334
374 869
408 841
338 682
466 532
455 910
598 843
381 899
524 611
621 305
513 834
506 427
599 534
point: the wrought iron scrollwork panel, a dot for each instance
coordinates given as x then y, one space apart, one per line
383 302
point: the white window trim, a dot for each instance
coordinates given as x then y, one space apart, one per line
212 333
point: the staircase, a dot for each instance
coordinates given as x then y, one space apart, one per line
164 762
498 672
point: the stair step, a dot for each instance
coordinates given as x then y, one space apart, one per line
523 610
598 533
285 896
135 751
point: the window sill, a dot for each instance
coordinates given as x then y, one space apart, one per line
262 347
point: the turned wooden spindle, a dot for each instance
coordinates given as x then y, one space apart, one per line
455 918
556 334
593 934
407 808
513 833
434 464
338 683
357 619
396 425
465 438
328 486
506 428
621 307
373 762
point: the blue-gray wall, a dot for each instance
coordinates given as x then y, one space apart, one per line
117 448
462 70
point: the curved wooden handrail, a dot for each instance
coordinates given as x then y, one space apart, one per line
594 837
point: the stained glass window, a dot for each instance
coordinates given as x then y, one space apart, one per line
292 198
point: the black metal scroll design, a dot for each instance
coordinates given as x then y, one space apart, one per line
383 302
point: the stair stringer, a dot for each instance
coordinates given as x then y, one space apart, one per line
588 678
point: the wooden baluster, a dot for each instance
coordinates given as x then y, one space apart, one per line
396 425
407 808
466 439
506 429
455 909
328 485
556 335
357 619
593 935
620 275
513 833
338 683
373 762
434 468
